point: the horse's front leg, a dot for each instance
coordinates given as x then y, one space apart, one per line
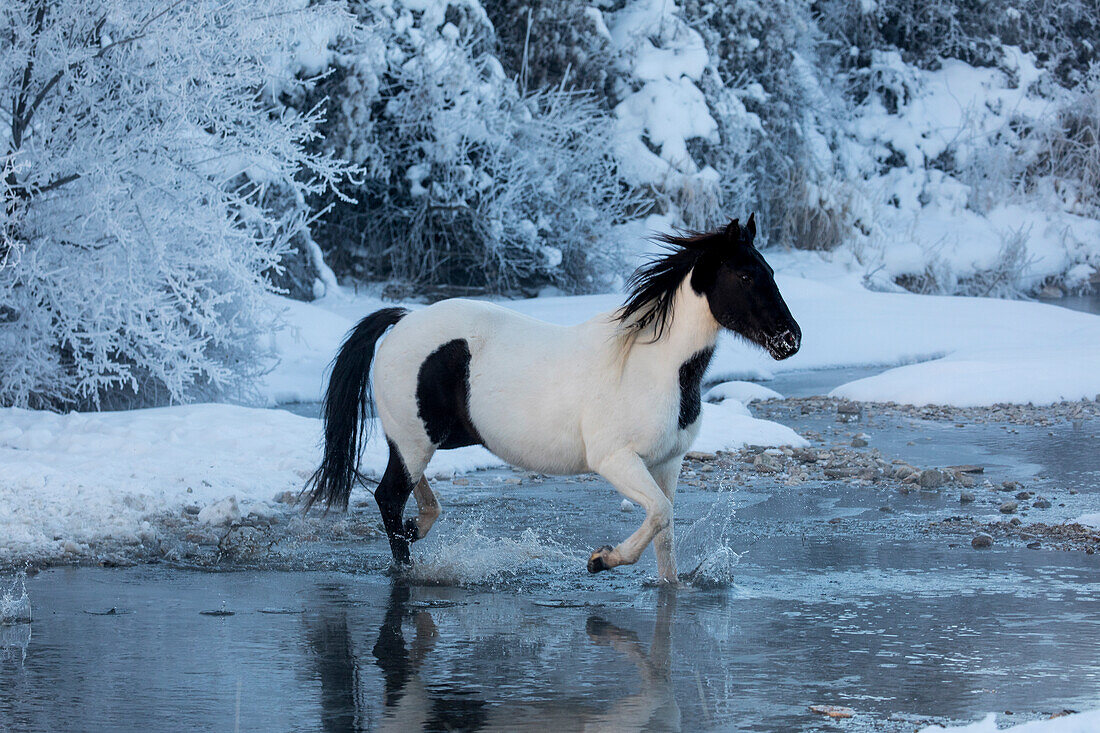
627 472
667 475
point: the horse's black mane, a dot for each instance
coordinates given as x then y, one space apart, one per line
653 285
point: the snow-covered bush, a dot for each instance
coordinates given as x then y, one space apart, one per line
138 154
664 123
1060 33
779 119
546 44
968 140
469 183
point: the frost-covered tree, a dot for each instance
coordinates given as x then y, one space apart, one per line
139 147
469 182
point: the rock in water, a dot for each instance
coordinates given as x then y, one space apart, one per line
832 711
931 479
981 541
966 497
1009 507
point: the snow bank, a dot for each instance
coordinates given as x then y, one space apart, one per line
77 478
1078 723
744 392
728 425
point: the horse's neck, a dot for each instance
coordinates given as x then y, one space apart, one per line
692 329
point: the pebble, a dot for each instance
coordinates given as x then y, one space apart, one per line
626 506
965 497
461 482
1009 507
981 541
859 443
1023 495
701 456
1041 503
286 497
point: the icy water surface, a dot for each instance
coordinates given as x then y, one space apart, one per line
801 595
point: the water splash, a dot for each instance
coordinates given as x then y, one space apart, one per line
15 620
15 604
465 556
705 549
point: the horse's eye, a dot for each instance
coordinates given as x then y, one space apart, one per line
745 277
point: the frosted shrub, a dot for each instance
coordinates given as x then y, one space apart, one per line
1060 33
778 119
1062 153
137 160
554 44
1004 278
470 184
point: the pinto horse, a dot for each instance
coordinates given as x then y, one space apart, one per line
618 394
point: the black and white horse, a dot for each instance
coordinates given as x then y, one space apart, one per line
618 394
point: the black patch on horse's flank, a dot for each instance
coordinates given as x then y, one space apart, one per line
691 380
443 396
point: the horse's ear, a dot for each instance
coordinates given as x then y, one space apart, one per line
750 228
733 230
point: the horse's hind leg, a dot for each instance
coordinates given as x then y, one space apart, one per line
427 506
393 493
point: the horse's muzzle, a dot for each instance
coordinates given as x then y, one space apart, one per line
785 344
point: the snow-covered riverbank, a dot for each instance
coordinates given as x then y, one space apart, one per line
78 478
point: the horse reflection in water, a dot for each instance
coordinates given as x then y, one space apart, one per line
411 702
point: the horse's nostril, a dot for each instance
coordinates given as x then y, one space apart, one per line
790 339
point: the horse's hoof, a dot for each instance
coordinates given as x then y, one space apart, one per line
597 561
399 570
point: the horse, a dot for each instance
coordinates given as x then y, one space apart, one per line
618 395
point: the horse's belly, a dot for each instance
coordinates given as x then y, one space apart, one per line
528 434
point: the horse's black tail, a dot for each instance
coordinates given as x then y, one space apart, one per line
346 409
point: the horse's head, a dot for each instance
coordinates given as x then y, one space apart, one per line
740 289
